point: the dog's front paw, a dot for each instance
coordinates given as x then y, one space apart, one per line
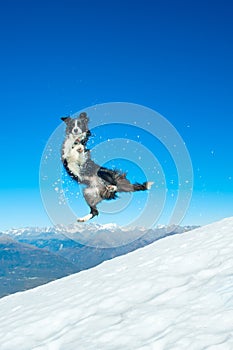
111 188
80 220
85 218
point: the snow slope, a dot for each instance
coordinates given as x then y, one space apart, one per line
176 293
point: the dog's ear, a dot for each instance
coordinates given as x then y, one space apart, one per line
83 116
66 119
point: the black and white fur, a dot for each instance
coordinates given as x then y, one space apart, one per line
76 131
101 183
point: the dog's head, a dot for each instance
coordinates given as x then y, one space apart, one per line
76 126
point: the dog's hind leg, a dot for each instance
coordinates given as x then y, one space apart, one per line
119 183
94 212
124 185
92 198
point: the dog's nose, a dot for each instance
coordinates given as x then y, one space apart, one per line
75 131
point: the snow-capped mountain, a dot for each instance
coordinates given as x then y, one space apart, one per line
176 293
61 242
65 240
60 229
94 235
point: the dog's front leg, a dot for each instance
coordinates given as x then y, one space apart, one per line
92 197
85 218
94 212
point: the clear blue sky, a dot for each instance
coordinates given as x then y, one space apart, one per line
58 57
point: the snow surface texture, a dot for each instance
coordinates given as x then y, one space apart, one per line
175 294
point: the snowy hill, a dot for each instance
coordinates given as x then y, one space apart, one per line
175 294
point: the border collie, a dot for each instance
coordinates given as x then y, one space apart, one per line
101 183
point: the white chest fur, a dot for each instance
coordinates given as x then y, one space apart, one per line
74 155
67 147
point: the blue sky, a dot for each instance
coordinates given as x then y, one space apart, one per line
60 57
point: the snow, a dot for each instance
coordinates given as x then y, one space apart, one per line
176 293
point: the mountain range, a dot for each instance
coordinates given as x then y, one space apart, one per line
33 256
23 266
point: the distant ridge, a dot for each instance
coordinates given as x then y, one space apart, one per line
32 256
23 266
